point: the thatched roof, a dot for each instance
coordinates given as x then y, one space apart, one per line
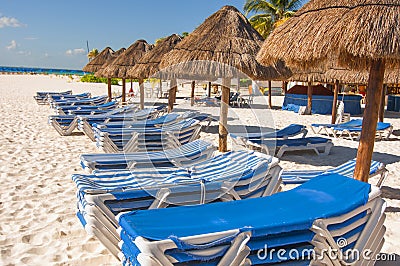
148 64
96 63
227 38
355 32
99 73
121 65
361 77
315 76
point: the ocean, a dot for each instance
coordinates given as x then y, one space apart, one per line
34 70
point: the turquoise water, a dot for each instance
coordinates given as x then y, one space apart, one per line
41 70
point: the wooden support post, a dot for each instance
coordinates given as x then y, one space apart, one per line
160 95
141 91
223 117
172 95
123 91
334 103
284 86
192 93
209 89
370 119
382 104
270 94
109 92
309 99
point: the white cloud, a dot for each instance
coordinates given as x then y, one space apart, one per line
9 22
12 45
26 53
76 51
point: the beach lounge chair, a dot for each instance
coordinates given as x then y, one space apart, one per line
42 96
345 169
284 133
187 154
134 139
318 128
207 101
89 109
354 132
127 113
280 146
86 101
226 177
58 97
314 217
63 124
66 124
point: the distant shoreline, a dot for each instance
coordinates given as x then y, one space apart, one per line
34 70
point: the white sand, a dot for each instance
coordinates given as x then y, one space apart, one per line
38 225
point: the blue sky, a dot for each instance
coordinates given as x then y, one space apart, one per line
53 33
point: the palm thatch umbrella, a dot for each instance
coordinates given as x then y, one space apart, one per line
111 59
223 43
120 66
148 64
361 77
100 72
96 64
346 76
358 34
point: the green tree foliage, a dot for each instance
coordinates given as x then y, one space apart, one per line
270 14
91 78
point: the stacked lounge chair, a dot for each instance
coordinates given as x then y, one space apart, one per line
66 124
328 213
345 169
58 97
278 142
142 138
226 177
73 102
87 109
187 154
42 96
86 122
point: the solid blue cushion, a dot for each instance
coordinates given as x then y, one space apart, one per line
324 196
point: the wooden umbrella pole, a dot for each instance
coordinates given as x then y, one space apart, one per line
192 93
160 95
382 104
123 91
309 98
270 94
209 89
109 89
172 95
370 119
223 118
285 84
334 103
141 91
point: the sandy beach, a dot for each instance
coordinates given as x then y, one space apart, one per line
38 225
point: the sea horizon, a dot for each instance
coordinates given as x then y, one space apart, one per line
41 70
